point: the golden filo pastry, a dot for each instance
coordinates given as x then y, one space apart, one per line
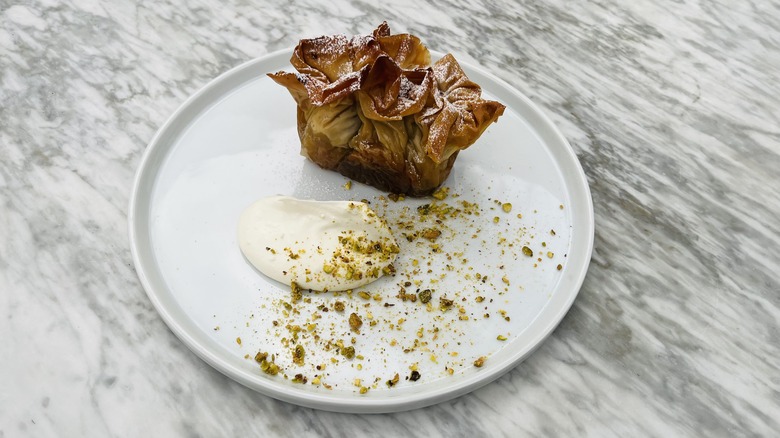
374 109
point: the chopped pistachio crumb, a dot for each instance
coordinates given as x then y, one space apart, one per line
479 362
299 378
298 354
296 292
441 193
528 251
431 233
395 197
355 322
393 381
268 367
501 337
507 207
348 352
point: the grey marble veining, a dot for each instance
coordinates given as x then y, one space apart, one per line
671 106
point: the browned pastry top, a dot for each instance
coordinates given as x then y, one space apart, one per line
390 84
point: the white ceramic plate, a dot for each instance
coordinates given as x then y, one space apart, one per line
235 141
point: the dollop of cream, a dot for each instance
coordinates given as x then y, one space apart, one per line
320 245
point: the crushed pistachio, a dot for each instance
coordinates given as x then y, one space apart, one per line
298 354
431 233
268 366
296 292
425 228
441 193
348 352
395 197
393 381
355 322
300 378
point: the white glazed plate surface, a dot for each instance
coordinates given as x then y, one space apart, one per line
235 141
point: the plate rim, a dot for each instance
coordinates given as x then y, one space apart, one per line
357 404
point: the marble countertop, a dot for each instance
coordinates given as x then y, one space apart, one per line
671 106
